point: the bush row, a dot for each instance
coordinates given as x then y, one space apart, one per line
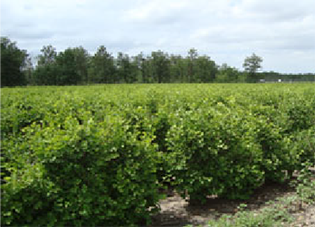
99 155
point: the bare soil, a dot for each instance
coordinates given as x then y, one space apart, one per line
176 211
305 217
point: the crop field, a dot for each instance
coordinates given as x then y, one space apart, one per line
101 155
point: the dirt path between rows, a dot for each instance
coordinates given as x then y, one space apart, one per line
175 211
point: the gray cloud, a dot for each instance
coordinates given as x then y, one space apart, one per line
226 30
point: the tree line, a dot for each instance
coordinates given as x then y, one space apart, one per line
75 66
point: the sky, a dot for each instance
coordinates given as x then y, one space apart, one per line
282 32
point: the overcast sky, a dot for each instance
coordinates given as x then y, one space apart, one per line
282 32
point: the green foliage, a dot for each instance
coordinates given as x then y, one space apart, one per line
251 65
228 74
13 61
66 68
75 66
302 148
215 154
98 155
276 152
161 67
305 184
206 70
102 69
67 73
126 69
67 169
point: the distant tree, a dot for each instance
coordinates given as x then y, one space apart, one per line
178 69
29 71
45 75
227 74
67 68
205 70
191 63
251 65
127 69
147 70
81 61
13 61
64 68
46 72
139 61
102 68
48 56
145 67
161 67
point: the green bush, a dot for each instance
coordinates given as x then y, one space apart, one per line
277 157
214 153
301 114
90 174
98 155
304 146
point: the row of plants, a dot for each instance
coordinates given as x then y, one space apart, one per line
100 155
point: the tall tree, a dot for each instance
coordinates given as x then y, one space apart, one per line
64 68
227 74
191 62
144 65
205 70
48 55
161 67
178 69
81 61
251 65
29 71
102 68
67 70
127 69
13 61
46 72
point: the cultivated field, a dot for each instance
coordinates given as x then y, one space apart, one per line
104 154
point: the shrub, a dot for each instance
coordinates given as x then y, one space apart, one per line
277 157
303 146
214 154
89 174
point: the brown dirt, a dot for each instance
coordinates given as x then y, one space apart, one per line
305 217
175 211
